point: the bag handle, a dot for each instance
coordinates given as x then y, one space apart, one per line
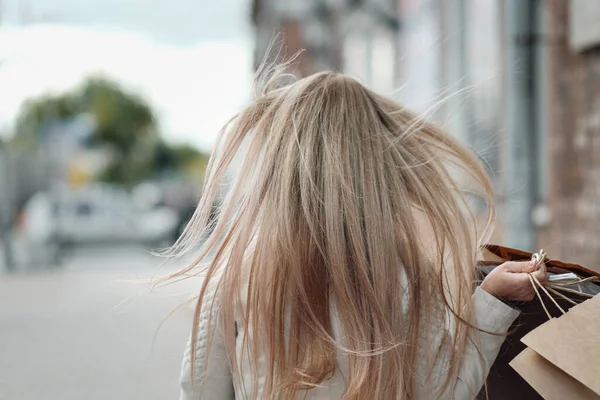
535 282
556 288
539 258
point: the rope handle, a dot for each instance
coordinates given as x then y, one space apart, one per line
556 287
539 261
538 258
535 282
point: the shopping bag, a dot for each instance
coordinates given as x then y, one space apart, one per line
562 358
503 381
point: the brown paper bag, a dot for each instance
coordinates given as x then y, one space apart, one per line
503 382
548 380
563 355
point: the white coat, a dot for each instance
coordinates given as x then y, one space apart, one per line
491 315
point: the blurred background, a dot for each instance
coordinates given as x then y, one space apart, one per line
109 110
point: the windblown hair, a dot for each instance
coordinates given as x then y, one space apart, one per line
343 206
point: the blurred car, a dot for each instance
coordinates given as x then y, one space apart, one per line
93 216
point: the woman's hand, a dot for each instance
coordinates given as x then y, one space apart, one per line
510 282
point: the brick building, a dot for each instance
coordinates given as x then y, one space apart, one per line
354 36
573 231
522 80
289 22
530 72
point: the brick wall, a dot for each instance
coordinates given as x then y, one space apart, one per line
574 90
284 29
294 44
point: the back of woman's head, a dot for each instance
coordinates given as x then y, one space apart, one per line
343 207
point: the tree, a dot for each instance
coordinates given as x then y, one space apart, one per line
35 113
122 118
125 123
182 158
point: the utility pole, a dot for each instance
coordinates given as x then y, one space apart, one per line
6 202
521 125
6 210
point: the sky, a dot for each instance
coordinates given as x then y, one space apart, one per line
191 59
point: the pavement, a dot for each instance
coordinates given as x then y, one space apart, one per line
89 330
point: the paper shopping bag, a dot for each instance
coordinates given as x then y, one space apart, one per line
565 348
503 381
548 380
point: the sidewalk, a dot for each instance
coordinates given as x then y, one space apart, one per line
88 331
25 253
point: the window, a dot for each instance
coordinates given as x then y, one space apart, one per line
584 24
383 63
356 55
485 65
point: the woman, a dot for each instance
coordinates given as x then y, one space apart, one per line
343 261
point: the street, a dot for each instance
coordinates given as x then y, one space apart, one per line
87 330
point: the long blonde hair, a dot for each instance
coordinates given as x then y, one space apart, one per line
342 202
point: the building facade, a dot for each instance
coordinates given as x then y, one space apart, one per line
573 152
517 81
354 36
307 26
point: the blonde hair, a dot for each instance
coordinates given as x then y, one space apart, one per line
343 202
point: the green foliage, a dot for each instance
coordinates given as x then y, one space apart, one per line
35 112
186 155
182 158
125 123
121 117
